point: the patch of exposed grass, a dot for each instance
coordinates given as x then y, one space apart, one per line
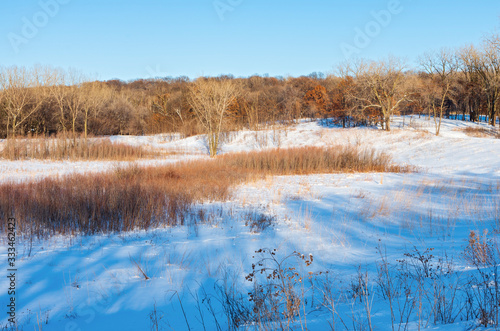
313 160
132 198
68 148
481 132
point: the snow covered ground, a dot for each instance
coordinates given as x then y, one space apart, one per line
95 283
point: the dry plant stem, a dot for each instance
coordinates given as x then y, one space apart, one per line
389 288
139 268
183 311
366 300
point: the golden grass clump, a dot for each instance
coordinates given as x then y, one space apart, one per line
131 198
312 160
481 132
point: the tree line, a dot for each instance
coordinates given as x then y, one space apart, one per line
462 83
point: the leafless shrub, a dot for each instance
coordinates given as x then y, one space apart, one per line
258 221
421 263
483 288
386 282
421 289
275 297
359 289
236 308
331 296
156 319
420 286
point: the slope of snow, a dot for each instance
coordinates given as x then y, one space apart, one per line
93 283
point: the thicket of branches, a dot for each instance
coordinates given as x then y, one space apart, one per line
462 83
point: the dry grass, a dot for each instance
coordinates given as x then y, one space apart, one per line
122 200
313 160
68 148
481 132
133 198
479 250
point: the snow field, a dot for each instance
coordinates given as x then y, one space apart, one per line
96 283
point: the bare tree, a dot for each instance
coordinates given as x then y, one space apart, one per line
251 109
163 106
22 89
74 97
95 95
58 92
490 74
210 99
380 85
483 66
440 66
494 41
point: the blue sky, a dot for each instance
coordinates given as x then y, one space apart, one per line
142 39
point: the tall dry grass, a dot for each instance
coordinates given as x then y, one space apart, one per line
313 160
480 132
132 198
70 148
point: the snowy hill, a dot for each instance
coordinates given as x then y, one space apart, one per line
99 282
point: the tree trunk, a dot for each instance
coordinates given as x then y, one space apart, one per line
62 119
387 123
8 125
86 124
74 131
14 126
493 112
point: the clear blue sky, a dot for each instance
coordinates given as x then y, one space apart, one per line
141 39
